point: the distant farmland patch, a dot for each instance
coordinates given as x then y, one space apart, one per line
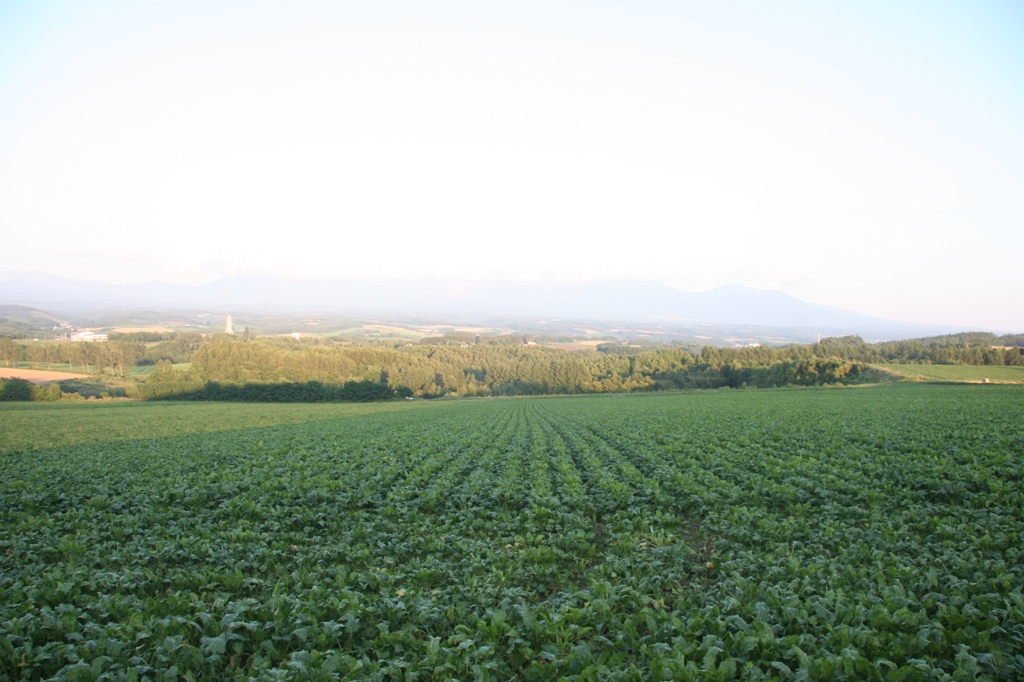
441 328
154 330
576 345
965 373
38 376
149 369
394 330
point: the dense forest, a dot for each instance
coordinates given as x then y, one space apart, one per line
456 364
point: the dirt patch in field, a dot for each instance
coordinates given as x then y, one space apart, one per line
38 376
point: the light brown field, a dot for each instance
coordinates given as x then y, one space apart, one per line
38 376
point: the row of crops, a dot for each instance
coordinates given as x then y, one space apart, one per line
858 534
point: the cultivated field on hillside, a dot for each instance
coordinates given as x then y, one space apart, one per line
850 534
966 373
64 369
38 376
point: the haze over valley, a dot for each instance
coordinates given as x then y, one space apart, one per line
635 304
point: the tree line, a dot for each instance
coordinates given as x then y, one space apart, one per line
21 390
115 356
491 369
939 350
222 367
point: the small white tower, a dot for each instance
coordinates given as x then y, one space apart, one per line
227 326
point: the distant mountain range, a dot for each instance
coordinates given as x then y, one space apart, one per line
625 300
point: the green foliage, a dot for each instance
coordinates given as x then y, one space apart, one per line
1012 339
280 369
111 358
24 322
453 338
309 392
616 348
142 337
92 388
869 534
961 340
15 390
497 369
51 393
10 351
165 382
178 349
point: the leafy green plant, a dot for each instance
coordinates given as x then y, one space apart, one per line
866 534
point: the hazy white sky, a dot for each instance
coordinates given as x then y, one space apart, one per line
868 155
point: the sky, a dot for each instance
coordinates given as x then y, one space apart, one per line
867 155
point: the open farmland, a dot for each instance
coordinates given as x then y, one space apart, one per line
48 425
38 376
965 373
857 534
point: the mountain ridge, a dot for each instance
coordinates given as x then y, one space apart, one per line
626 300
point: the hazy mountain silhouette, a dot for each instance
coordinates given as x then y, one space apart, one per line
626 300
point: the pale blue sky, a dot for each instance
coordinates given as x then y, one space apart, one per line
868 155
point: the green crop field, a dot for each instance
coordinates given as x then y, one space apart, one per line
971 373
146 370
47 425
827 534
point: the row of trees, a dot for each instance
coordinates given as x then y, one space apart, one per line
167 383
115 356
466 339
21 390
127 350
309 392
432 371
429 370
222 365
935 351
142 337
